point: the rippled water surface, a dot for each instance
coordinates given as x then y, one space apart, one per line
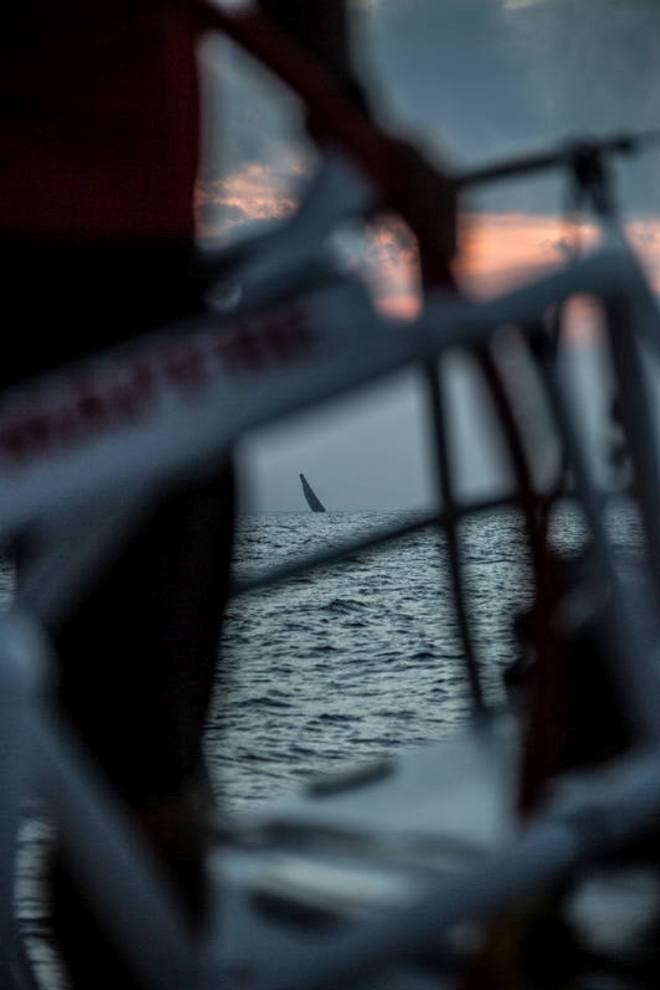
347 663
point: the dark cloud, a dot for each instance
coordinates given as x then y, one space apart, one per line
482 78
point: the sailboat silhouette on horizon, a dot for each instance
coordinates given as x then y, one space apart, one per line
313 501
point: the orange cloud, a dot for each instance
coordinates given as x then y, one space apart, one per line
255 193
499 251
496 251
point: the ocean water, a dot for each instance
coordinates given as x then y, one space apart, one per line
346 663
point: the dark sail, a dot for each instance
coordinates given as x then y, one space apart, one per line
313 502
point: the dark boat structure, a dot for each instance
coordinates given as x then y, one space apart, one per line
522 851
313 501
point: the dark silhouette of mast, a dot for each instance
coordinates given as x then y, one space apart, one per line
313 501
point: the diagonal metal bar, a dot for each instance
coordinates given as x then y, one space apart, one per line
563 156
121 879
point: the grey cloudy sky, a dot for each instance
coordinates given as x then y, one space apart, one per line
471 79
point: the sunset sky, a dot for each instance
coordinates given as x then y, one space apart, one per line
472 81
496 250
